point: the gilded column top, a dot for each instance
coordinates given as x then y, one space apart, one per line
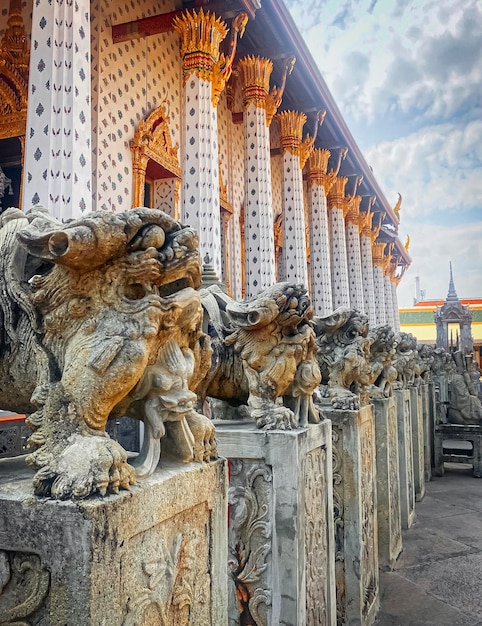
378 254
317 170
255 73
291 131
336 196
353 211
366 218
201 34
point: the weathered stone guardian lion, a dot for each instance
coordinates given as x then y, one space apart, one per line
87 309
343 353
264 355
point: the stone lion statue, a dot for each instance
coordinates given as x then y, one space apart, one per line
343 353
382 351
424 362
264 355
405 360
100 317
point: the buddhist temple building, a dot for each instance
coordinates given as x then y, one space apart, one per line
453 324
217 115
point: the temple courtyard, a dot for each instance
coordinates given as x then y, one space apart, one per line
437 578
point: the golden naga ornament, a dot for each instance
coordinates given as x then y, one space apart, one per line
308 143
396 208
275 96
222 70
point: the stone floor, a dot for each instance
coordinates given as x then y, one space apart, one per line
437 580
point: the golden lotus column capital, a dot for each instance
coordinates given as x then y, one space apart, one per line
276 94
201 34
317 169
291 131
353 215
378 254
336 196
366 219
255 73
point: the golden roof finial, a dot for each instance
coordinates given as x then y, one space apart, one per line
396 208
407 243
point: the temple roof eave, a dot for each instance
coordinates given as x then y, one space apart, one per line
307 91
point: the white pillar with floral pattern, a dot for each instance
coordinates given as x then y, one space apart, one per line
58 162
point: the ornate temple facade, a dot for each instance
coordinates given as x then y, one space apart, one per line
218 116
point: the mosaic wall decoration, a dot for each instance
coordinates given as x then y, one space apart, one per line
133 78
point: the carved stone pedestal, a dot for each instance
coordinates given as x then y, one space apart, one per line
281 539
428 427
156 555
388 482
418 442
405 457
355 504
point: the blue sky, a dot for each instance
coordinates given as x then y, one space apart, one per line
407 77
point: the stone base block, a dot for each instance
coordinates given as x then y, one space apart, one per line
155 555
281 538
418 442
388 482
405 457
355 509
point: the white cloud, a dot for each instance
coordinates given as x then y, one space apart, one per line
437 170
419 56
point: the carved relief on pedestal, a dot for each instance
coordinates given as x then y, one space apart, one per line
394 494
408 448
369 570
338 510
24 586
171 574
249 540
315 538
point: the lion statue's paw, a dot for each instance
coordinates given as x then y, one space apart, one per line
344 400
202 428
275 418
88 465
